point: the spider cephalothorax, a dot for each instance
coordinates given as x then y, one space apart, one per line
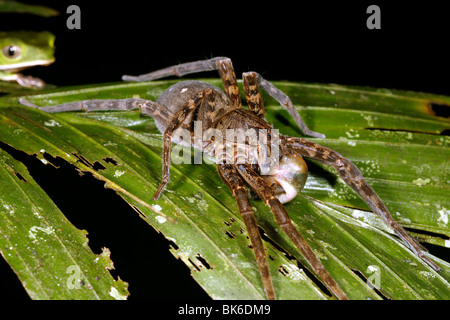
276 181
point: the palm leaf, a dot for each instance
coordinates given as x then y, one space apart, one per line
392 136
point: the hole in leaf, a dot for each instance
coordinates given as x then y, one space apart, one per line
203 261
110 160
18 175
439 109
173 245
231 235
283 271
98 166
83 160
200 263
194 265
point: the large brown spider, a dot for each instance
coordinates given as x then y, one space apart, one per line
189 101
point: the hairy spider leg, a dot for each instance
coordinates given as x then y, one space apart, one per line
253 95
147 107
230 87
178 70
224 66
285 101
353 177
263 190
228 174
176 122
207 109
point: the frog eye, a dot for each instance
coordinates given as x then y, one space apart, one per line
12 51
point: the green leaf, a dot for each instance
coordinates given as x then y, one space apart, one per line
392 136
10 6
51 257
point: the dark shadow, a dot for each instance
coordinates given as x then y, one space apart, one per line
316 170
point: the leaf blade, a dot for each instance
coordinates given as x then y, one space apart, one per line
224 265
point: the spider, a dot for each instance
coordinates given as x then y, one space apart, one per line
186 102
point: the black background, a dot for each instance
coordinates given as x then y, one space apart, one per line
323 41
282 40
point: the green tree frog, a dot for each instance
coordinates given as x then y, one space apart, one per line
24 49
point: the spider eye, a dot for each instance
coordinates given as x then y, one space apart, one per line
12 51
